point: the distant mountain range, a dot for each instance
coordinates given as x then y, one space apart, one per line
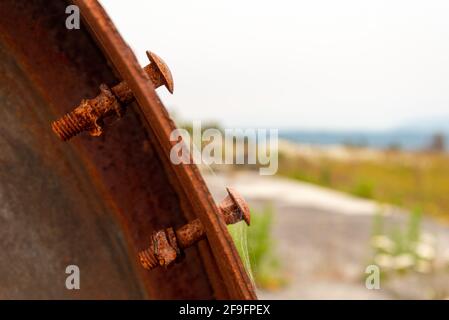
427 125
413 136
407 140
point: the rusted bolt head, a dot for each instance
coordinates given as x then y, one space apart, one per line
165 247
234 208
163 69
167 244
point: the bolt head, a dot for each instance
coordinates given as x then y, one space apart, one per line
163 69
241 204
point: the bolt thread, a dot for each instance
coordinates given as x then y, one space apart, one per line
69 125
148 259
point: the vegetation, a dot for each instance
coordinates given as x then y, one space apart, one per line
409 180
256 247
403 249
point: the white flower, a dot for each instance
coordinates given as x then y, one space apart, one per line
403 261
425 251
383 260
428 238
383 243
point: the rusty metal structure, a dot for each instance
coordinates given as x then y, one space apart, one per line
90 114
95 201
167 245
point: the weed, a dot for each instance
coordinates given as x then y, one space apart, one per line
258 251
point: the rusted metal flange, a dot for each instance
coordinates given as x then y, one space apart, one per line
93 202
167 244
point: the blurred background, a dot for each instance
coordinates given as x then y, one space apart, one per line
359 93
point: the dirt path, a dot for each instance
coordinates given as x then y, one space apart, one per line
324 237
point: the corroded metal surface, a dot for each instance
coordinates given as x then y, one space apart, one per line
50 214
90 114
166 245
194 197
234 208
91 202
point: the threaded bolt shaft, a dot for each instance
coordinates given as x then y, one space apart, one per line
147 259
233 209
89 114
70 125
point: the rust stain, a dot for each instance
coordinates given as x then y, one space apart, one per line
89 115
167 245
220 253
117 184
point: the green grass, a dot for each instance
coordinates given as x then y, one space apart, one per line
256 247
403 243
409 180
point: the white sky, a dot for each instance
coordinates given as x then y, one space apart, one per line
316 64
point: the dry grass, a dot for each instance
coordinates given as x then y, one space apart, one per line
410 180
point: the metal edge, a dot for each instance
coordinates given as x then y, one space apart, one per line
160 126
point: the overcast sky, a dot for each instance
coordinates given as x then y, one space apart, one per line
320 64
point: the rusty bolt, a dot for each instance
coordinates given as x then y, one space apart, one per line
89 114
167 244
